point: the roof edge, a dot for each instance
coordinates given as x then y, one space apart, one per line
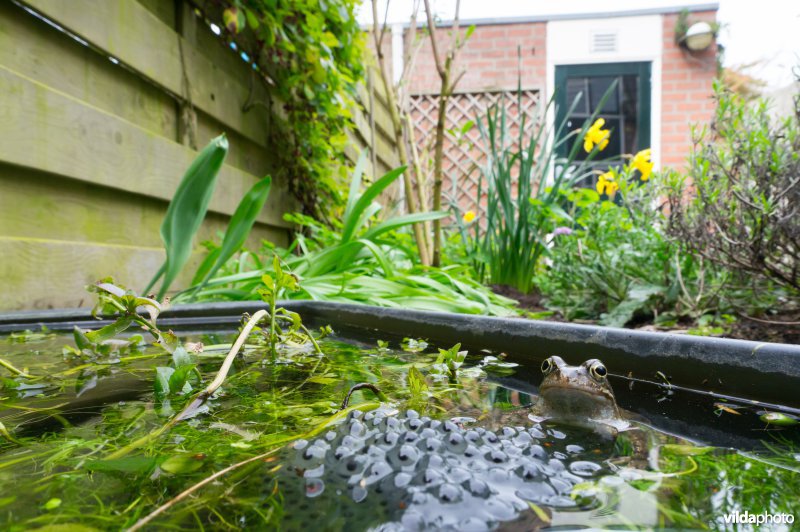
499 21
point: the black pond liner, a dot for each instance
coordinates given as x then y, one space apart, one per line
760 371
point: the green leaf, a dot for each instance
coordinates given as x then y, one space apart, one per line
178 380
110 331
181 464
129 464
180 357
241 223
353 219
416 381
188 208
161 382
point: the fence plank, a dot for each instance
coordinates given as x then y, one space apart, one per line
36 205
52 132
129 32
53 274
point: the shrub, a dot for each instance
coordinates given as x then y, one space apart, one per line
739 205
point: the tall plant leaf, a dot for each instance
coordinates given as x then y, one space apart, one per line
187 210
354 219
240 225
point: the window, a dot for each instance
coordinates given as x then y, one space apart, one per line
626 110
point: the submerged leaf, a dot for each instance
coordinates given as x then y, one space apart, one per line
181 464
129 464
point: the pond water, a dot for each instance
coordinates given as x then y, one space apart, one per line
458 453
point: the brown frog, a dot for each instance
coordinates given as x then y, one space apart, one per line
582 396
576 394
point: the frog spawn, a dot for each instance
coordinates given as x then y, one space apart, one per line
412 472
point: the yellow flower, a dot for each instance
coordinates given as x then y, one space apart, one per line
468 217
606 184
641 161
596 135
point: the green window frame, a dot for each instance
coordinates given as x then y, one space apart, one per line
642 71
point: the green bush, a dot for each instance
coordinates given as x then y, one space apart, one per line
739 204
616 263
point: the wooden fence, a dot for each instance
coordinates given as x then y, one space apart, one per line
95 136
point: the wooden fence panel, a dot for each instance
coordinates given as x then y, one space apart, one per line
94 141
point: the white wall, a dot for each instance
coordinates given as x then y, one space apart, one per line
569 42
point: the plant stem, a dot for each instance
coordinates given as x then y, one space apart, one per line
201 397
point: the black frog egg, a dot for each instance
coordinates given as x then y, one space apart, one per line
522 439
458 475
574 449
583 468
472 435
537 452
478 487
449 493
508 433
376 471
431 444
496 456
407 455
449 426
414 424
471 451
355 414
456 442
426 433
357 429
412 414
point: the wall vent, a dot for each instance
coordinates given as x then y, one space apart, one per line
604 42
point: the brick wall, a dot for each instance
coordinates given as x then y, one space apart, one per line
490 59
687 91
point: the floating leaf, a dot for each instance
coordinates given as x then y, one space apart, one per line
778 418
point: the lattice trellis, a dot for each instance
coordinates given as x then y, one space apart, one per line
463 159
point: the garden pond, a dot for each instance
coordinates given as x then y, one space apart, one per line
450 446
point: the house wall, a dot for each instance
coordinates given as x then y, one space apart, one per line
687 91
489 59
681 82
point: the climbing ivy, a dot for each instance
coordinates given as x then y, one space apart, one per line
311 54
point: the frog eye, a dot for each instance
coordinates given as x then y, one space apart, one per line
598 371
548 365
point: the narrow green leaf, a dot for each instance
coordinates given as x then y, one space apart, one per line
241 223
130 464
366 199
188 208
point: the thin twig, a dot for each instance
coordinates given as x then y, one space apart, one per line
769 322
201 397
185 493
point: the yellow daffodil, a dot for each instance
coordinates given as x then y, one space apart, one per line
606 184
596 135
641 161
468 217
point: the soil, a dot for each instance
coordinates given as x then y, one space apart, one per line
783 329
